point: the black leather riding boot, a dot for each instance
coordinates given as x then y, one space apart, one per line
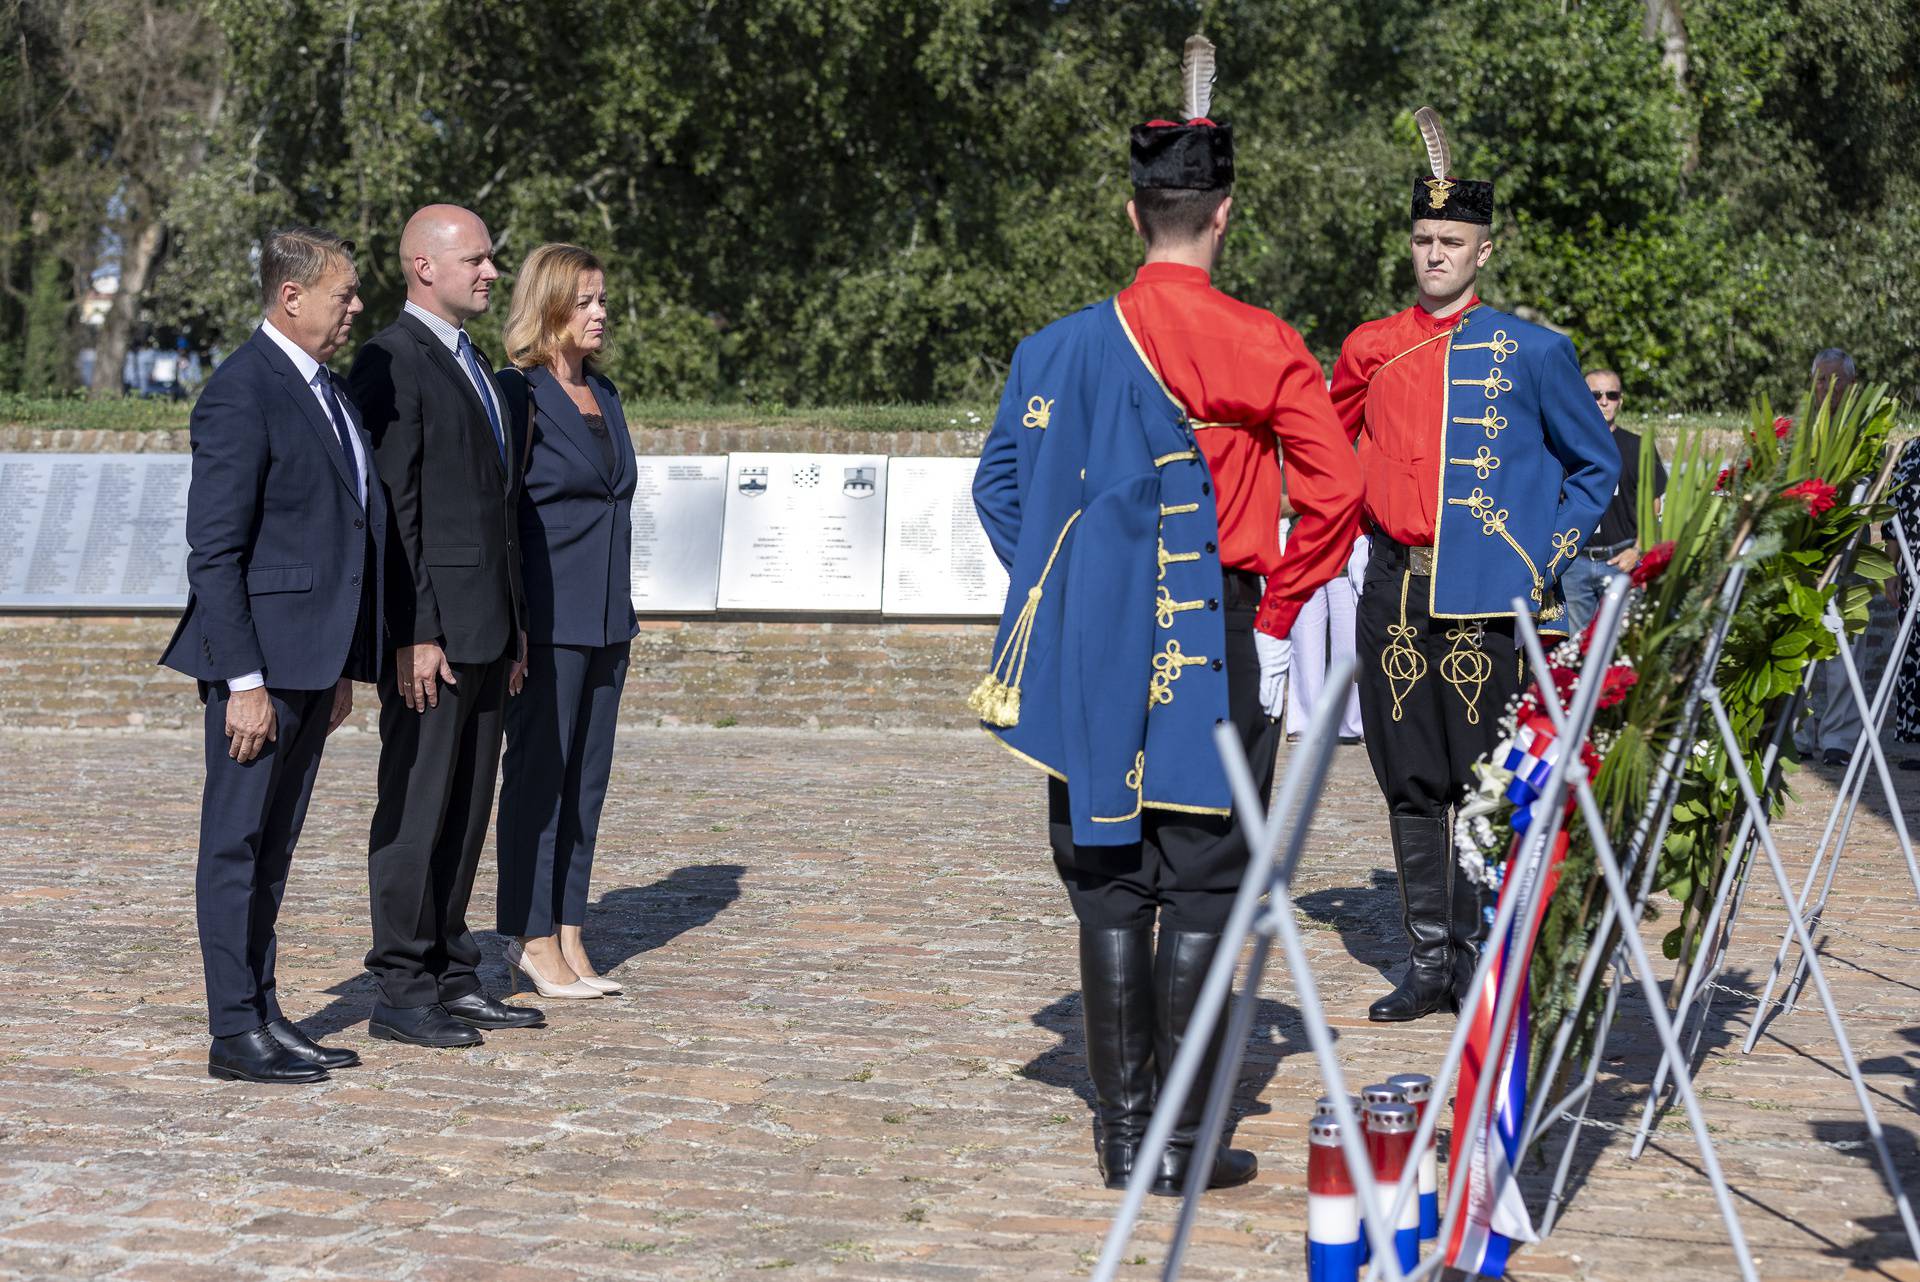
1116 997
1180 967
1469 931
1423 855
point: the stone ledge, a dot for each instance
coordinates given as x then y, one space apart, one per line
716 438
97 672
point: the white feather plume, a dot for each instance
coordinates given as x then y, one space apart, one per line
1196 77
1439 154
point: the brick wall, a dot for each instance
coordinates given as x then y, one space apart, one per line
98 672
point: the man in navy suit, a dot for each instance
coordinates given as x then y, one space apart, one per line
287 523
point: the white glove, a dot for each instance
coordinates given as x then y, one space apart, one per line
1357 563
1276 656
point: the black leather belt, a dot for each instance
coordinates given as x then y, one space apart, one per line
1241 589
1606 553
1395 556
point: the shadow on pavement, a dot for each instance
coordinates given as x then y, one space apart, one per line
623 924
1276 1035
1366 917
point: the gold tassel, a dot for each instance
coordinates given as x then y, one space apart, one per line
996 700
984 696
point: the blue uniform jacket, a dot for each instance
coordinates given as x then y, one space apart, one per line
1108 667
1529 465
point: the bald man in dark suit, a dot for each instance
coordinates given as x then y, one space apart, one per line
457 618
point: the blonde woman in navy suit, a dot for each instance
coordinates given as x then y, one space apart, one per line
576 531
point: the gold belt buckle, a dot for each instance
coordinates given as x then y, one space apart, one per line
1420 560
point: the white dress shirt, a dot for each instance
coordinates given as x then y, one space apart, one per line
449 335
309 370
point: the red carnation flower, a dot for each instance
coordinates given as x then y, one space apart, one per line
1720 482
1781 426
1614 685
1563 682
1815 493
1652 565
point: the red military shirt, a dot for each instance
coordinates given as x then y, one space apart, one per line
1255 396
1389 389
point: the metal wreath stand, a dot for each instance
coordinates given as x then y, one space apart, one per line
1269 877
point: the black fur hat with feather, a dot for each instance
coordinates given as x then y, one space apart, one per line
1197 155
1440 195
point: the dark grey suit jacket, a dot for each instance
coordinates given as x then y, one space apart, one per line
453 565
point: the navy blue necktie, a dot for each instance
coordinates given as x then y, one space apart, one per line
480 390
323 379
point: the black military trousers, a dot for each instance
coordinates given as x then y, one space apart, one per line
1186 868
1432 691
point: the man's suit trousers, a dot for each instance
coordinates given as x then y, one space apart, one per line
430 822
250 819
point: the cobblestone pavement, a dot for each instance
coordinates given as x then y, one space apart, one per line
847 1048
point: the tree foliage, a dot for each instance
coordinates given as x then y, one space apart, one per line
817 200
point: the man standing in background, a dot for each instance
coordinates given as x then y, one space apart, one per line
286 520
1832 724
457 618
1615 547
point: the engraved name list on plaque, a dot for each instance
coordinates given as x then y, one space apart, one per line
678 506
938 559
803 532
93 531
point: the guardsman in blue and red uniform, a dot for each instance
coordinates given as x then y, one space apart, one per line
1132 485
1486 461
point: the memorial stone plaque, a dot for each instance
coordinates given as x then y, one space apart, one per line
678 505
803 532
94 531
938 558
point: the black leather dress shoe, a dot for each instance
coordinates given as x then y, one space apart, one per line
289 1035
1231 1167
481 1011
420 1026
257 1057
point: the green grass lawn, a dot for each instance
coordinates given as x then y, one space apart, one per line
131 414
128 414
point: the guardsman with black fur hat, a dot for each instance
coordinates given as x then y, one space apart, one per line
1131 483
1486 462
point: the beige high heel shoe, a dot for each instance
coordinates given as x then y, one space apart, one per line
578 990
608 986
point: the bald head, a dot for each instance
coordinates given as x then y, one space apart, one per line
447 258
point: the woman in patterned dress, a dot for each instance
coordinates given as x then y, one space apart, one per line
1906 690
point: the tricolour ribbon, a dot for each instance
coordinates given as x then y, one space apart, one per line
1494 1215
1530 760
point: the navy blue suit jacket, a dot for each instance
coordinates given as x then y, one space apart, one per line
576 513
277 534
